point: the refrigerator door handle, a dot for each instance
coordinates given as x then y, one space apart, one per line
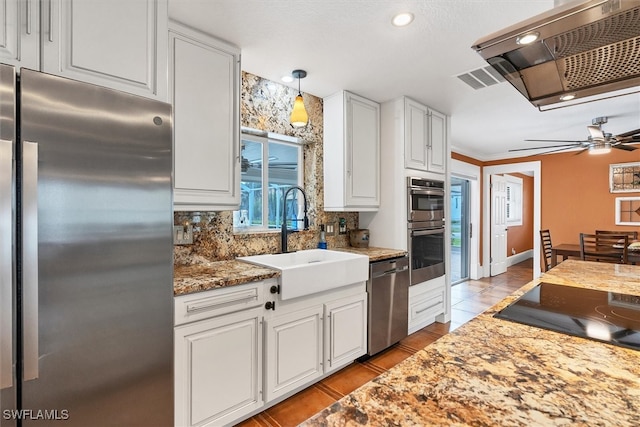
6 268
30 258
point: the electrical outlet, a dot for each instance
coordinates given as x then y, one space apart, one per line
182 235
513 251
330 229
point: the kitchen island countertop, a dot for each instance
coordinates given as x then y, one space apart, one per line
496 372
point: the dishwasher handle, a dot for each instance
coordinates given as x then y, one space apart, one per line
387 268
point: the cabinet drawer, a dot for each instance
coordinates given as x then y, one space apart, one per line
426 306
204 305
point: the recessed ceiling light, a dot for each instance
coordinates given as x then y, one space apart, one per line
527 38
568 97
287 79
402 19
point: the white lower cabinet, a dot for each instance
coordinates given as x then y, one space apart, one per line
345 331
218 345
236 355
219 369
293 350
427 300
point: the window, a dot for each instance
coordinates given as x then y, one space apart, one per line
514 200
270 164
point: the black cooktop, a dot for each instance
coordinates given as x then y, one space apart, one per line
598 315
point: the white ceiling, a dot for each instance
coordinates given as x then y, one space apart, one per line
351 44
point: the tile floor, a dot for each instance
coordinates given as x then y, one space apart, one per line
468 299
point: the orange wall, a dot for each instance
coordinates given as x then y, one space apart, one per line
574 191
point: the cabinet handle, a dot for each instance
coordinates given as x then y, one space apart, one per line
427 308
270 305
51 21
218 302
275 289
28 17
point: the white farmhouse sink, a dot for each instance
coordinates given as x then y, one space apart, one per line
314 270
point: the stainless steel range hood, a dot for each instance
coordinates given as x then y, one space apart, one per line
585 49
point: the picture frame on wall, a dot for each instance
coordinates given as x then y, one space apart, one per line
627 210
624 177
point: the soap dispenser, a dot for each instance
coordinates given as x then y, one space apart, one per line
322 244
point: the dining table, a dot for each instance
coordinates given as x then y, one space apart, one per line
566 250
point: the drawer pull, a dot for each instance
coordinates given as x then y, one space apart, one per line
270 305
222 301
428 308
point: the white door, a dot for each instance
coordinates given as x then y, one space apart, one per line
498 225
437 142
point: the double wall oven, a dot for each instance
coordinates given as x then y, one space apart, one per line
425 225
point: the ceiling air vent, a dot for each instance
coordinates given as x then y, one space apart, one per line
481 77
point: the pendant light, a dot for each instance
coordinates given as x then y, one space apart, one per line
299 116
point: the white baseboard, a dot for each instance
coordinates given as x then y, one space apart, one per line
522 256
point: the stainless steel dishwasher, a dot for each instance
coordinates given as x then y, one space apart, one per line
388 293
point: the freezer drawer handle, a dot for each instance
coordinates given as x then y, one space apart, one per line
6 280
30 257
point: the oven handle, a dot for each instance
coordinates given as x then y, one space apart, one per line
429 192
416 233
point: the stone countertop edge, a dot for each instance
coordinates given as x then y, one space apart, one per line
491 371
188 279
374 253
205 276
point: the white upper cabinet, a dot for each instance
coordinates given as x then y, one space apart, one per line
205 92
425 137
20 33
120 44
351 153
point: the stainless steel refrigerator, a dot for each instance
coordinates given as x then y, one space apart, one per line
86 295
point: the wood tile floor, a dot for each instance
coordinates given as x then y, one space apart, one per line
468 299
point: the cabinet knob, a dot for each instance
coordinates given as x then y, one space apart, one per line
275 289
270 305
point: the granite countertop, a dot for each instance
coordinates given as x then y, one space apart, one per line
202 275
496 372
217 274
374 254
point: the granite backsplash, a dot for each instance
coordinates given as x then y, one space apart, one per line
266 105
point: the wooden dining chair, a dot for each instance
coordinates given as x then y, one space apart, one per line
604 247
545 242
633 235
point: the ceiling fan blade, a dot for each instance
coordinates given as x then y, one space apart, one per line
554 140
630 133
582 151
595 132
559 149
624 147
628 139
566 146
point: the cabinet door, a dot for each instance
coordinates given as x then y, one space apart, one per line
19 33
205 90
437 142
120 44
345 331
416 139
218 369
293 350
363 152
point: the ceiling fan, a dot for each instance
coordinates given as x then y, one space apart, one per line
598 141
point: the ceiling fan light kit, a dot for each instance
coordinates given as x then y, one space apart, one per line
598 141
